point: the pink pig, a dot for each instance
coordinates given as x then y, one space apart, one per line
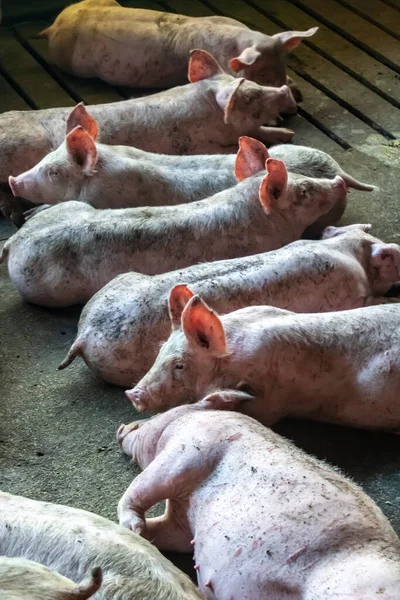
338 367
265 520
148 48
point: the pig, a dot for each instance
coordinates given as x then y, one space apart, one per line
21 579
122 326
120 176
265 519
65 254
72 541
337 367
147 48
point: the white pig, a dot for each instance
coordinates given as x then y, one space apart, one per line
338 367
147 48
22 579
65 254
121 176
266 520
72 541
122 326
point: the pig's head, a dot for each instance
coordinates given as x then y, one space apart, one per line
60 175
186 362
265 61
245 104
300 200
380 260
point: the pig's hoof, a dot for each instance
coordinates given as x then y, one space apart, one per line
131 521
124 430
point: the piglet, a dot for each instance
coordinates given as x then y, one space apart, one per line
122 326
120 176
265 520
21 579
148 48
72 542
270 363
65 254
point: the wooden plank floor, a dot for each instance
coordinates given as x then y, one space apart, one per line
349 74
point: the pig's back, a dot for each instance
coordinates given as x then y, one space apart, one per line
271 505
72 541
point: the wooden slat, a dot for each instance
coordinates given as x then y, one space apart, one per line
9 99
383 14
91 91
194 8
368 36
357 98
30 75
338 49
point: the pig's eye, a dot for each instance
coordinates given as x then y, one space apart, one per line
179 366
53 173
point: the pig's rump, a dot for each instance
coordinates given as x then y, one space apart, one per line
73 541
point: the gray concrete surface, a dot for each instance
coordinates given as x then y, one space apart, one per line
57 428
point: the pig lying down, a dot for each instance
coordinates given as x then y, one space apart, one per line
271 363
171 122
120 176
123 325
146 48
65 254
22 579
267 520
72 542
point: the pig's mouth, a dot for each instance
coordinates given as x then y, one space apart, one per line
140 399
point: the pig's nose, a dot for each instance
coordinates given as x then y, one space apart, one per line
136 397
12 182
340 182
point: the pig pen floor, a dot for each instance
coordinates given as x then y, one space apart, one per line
57 428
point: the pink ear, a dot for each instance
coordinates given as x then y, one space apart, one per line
203 327
386 258
245 59
274 185
226 98
79 116
82 149
202 65
250 158
178 298
291 39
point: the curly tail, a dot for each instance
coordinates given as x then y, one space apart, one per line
357 185
45 33
74 351
88 587
4 252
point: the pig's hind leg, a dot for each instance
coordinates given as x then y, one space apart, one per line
172 476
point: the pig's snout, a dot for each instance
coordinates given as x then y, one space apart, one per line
13 183
138 397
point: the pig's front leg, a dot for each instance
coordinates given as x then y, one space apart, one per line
273 135
172 475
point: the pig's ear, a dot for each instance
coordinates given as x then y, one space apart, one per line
291 39
203 327
247 58
202 65
79 116
82 149
386 258
227 96
274 185
251 157
178 298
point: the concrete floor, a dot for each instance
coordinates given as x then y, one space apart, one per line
57 428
